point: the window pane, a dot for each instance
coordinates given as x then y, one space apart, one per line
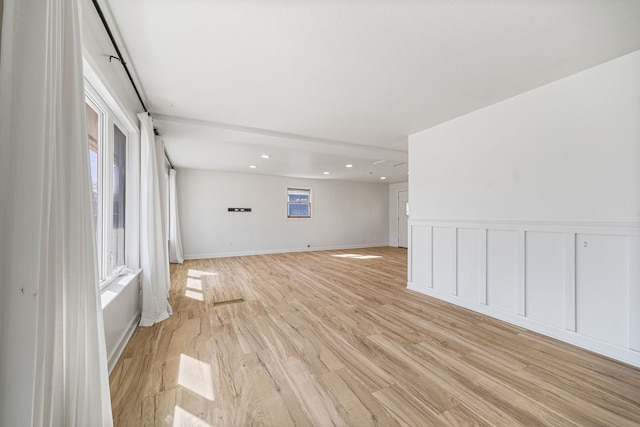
119 181
298 209
298 198
93 135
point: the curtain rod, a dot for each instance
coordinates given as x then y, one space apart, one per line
168 159
119 57
124 64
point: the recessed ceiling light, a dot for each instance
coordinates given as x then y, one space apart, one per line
252 166
383 177
265 156
348 166
326 173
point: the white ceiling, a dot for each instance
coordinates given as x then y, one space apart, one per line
319 84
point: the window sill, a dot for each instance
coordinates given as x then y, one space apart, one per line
115 288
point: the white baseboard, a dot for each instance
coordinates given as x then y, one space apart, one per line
281 251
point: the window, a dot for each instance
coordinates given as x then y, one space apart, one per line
119 189
298 203
108 163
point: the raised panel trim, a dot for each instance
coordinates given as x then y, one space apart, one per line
634 294
482 282
430 257
570 282
454 261
522 277
606 227
410 253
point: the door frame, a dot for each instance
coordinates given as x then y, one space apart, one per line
402 211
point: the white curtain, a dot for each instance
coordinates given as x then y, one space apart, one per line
154 252
53 364
175 240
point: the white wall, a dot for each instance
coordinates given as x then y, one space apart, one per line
529 210
568 151
393 211
345 214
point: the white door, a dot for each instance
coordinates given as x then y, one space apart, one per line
403 216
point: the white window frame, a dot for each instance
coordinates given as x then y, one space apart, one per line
107 120
310 203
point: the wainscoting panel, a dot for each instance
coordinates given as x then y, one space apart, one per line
420 255
545 277
602 279
502 270
576 282
634 293
470 258
444 260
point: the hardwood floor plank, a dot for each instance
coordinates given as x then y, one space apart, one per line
276 413
379 415
412 375
335 338
313 398
349 405
407 410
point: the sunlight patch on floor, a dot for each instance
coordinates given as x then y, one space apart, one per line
199 274
195 376
357 256
194 286
182 418
194 283
194 295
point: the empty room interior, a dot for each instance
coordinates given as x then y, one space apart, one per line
322 213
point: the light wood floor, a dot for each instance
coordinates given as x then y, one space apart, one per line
327 338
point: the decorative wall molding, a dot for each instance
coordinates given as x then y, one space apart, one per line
578 282
624 227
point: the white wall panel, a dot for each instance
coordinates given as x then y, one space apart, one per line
502 270
570 281
420 242
444 239
602 274
634 293
547 268
545 277
470 258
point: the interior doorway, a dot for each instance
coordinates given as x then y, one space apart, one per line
403 217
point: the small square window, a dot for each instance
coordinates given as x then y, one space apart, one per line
298 203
